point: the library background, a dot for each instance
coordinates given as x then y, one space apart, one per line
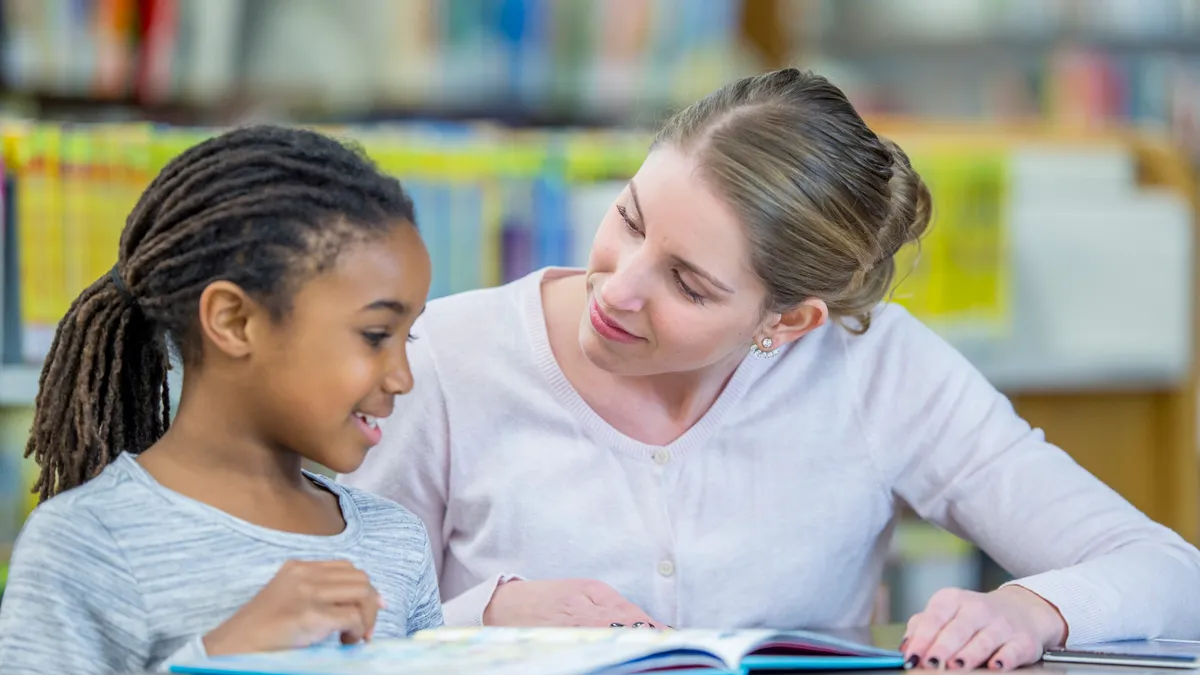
1047 129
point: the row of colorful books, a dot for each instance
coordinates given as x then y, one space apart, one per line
493 204
910 20
411 53
1076 63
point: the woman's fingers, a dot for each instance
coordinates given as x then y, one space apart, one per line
978 650
1017 651
924 628
971 616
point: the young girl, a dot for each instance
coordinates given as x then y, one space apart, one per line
286 271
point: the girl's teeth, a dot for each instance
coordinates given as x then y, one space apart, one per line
369 420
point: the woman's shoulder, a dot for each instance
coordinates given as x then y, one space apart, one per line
893 332
485 311
484 331
896 351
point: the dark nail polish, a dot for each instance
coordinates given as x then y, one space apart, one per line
912 661
933 662
616 625
638 624
653 626
959 663
999 665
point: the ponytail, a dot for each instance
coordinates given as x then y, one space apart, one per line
103 388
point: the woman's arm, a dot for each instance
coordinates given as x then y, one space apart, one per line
953 449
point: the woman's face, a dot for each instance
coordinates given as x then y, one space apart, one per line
670 287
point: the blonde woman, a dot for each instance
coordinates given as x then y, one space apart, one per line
716 423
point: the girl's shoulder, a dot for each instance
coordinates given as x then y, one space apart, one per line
378 516
89 519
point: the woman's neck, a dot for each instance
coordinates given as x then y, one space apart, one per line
685 397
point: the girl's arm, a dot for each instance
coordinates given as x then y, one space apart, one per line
72 603
952 447
426 609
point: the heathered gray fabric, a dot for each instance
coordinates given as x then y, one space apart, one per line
121 575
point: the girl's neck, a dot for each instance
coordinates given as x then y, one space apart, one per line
213 454
213 442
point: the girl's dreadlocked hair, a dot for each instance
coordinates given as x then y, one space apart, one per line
262 207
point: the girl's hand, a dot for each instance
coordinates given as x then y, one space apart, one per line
302 605
570 602
1007 628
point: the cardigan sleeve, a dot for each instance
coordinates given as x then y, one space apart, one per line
954 449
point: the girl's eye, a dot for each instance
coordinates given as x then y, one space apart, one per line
376 339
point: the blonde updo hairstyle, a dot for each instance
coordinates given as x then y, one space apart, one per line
826 202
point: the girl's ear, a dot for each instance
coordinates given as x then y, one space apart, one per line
227 318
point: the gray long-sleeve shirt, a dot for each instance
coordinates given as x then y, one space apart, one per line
123 575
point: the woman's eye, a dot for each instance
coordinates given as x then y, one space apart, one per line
630 223
686 290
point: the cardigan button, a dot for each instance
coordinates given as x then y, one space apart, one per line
666 568
662 456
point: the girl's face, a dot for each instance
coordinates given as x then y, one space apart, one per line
325 373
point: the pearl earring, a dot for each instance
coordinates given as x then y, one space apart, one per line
765 351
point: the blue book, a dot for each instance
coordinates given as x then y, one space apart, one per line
566 651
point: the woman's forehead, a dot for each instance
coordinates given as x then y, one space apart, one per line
685 217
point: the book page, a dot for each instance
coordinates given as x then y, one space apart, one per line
728 646
483 654
848 642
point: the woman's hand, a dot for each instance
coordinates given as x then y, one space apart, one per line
570 602
1004 629
304 603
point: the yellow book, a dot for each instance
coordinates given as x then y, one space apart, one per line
915 284
75 227
35 243
974 259
135 166
57 274
106 200
492 232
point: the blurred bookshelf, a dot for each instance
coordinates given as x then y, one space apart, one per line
1073 63
1058 136
18 385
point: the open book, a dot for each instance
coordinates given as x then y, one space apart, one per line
565 651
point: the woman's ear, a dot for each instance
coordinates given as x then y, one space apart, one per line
226 317
795 323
